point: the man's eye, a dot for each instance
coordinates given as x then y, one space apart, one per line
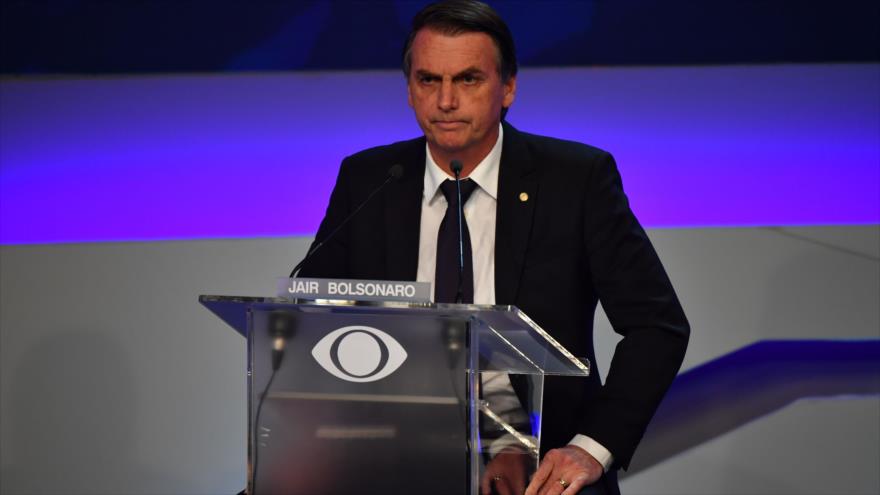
427 79
468 79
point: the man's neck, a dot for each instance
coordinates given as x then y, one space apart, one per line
469 158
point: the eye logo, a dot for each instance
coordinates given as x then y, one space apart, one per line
359 354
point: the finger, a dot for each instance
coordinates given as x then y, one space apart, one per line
486 484
541 475
502 486
577 483
518 485
545 487
553 485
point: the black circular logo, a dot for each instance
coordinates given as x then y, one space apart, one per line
383 354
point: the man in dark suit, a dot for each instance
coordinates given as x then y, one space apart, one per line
552 234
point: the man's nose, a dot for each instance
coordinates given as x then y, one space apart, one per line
447 99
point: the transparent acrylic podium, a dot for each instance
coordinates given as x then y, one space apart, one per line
391 397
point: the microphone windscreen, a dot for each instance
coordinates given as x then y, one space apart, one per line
396 171
456 167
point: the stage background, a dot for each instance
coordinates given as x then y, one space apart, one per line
152 152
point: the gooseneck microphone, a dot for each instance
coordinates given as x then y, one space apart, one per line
394 173
281 328
281 325
456 167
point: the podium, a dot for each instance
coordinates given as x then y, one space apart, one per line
389 397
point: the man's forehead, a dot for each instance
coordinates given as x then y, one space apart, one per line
438 52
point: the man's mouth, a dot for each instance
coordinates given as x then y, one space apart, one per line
448 125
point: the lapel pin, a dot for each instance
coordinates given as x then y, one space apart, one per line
523 197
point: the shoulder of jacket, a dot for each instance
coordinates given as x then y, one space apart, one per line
386 155
562 149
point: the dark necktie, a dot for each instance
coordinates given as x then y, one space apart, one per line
446 276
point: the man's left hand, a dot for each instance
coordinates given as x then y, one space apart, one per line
507 472
565 471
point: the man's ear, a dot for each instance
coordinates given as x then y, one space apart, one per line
409 98
509 89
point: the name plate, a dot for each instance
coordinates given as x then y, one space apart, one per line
354 290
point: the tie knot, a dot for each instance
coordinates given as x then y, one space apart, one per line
448 189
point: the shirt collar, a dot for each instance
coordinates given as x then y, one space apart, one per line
485 174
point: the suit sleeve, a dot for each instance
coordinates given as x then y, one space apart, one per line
329 257
641 305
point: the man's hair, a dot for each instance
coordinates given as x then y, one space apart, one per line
453 17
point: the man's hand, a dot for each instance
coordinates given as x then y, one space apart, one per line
565 471
507 472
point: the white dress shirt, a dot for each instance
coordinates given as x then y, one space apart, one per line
479 213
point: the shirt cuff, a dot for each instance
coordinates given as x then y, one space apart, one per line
595 449
506 441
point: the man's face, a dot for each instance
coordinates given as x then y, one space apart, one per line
456 92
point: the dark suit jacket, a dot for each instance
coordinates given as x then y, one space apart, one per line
573 242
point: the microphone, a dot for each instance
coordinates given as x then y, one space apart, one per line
281 329
394 173
282 325
456 167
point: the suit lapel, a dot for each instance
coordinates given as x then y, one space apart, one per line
517 195
403 213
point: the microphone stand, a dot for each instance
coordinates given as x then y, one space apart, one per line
456 167
394 173
281 326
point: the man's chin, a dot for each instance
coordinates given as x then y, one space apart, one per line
447 145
